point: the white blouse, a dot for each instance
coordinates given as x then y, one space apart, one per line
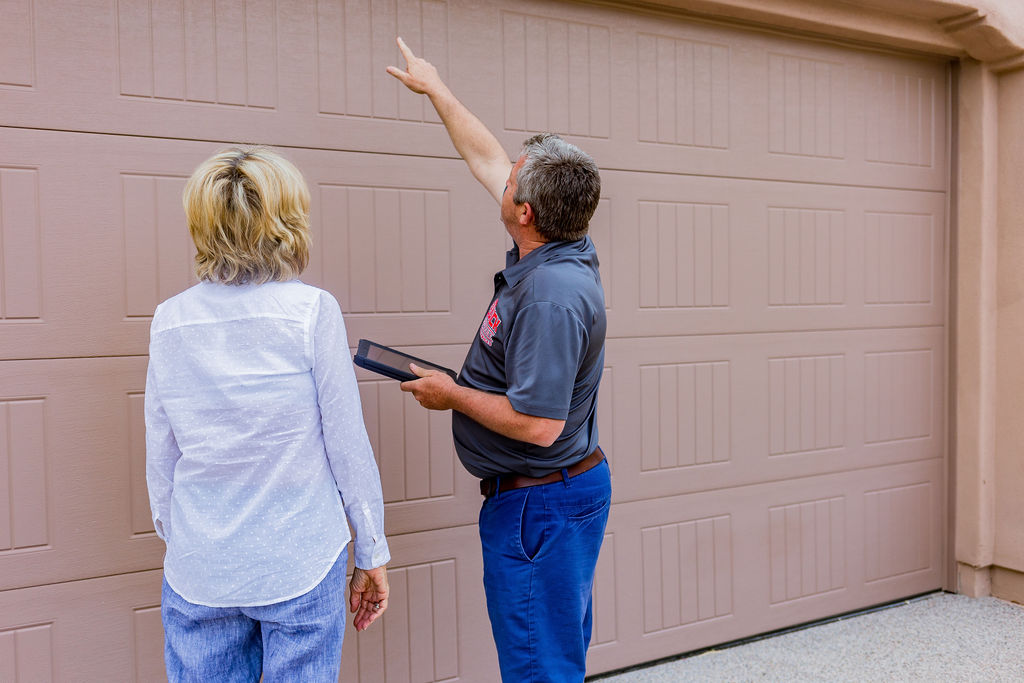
256 452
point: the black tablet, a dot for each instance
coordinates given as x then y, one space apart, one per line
391 363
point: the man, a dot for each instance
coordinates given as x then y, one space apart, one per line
525 403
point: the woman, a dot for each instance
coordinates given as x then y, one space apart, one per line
256 452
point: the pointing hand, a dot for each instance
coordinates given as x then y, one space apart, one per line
420 75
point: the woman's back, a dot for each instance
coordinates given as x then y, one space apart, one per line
255 511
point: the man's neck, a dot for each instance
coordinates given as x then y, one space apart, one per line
528 242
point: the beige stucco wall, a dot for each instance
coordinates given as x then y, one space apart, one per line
986 362
1009 463
989 312
974 256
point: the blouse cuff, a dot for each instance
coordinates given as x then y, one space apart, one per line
372 553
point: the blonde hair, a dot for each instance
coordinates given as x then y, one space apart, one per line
248 214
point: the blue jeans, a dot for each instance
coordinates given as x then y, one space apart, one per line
295 640
540 547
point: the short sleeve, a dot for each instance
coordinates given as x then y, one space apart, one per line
543 354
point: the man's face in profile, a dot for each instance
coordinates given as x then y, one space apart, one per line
509 215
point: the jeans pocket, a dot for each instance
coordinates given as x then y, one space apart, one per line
589 513
531 525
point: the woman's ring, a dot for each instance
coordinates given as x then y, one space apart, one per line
376 606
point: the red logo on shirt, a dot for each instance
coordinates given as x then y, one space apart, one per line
490 324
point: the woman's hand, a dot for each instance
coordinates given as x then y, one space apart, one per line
368 595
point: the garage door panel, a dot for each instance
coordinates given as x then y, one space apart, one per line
893 535
74 480
827 120
678 263
706 99
904 115
720 564
679 411
289 72
313 75
435 629
702 413
286 73
87 417
713 255
98 629
674 562
409 246
398 241
17 55
436 626
822 410
21 282
807 546
794 111
91 298
606 610
570 94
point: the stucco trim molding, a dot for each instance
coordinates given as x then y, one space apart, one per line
986 40
989 31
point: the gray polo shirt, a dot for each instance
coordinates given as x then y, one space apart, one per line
541 344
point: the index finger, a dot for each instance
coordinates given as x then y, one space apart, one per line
406 52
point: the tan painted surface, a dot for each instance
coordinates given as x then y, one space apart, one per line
1008 584
989 371
774 247
101 629
976 257
1009 466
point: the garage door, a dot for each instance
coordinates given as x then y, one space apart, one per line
773 240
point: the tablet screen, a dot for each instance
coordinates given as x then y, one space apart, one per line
383 355
386 356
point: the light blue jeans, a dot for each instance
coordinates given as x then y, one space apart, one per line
295 640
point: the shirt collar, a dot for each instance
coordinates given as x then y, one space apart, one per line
516 269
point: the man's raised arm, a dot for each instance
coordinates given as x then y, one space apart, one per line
485 156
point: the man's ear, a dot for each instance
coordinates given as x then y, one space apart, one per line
527 216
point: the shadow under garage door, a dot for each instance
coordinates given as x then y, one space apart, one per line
773 238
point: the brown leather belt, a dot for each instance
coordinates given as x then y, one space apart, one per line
492 485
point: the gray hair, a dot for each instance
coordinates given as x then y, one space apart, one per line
562 185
